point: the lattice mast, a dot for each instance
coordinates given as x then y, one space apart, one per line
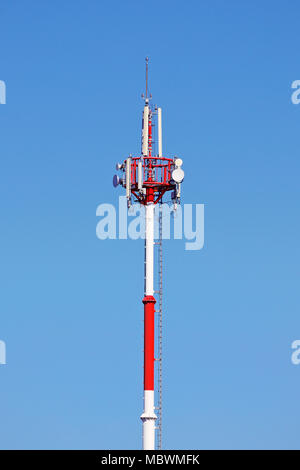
147 178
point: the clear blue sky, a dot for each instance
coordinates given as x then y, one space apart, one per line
71 311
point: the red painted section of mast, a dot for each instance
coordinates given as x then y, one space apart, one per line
149 303
149 193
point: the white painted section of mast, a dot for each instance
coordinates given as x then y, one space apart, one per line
159 126
148 418
149 248
145 130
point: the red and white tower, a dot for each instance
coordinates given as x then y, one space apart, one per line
147 179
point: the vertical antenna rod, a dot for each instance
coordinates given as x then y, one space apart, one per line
146 116
147 60
159 132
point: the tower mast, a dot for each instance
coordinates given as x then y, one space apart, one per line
147 179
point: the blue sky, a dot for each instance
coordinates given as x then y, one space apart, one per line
71 311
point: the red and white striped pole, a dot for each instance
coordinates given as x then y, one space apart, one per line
147 178
148 417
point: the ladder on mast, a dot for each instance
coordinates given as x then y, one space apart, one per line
159 330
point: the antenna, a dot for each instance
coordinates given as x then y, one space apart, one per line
147 61
145 96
